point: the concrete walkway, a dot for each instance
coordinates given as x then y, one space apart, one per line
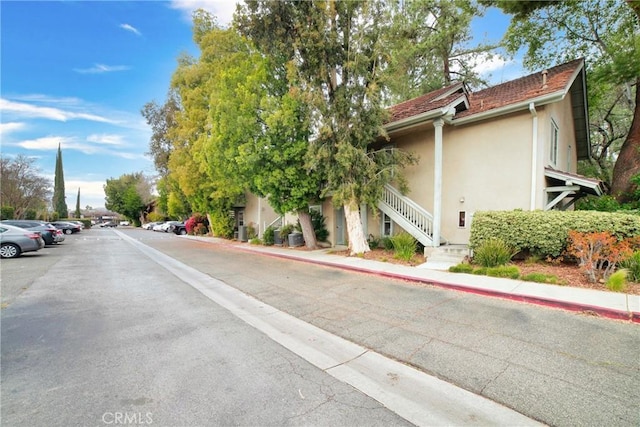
607 304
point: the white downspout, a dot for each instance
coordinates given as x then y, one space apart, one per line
437 183
260 227
534 155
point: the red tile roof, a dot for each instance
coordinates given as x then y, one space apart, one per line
525 88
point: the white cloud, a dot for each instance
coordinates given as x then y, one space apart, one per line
91 193
130 28
492 64
22 109
106 139
101 68
50 143
45 143
6 128
222 9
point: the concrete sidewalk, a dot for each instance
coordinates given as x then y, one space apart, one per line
607 304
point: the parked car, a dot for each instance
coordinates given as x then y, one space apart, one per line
158 226
167 226
149 225
14 241
109 224
79 223
50 234
125 223
179 229
66 227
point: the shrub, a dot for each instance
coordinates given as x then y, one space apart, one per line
541 278
598 252
374 243
545 233
221 224
461 268
617 281
632 265
7 212
493 253
196 224
255 241
268 237
319 226
387 244
251 232
404 246
508 271
285 230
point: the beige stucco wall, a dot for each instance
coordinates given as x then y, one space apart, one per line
258 213
486 166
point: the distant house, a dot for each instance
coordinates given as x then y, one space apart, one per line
511 146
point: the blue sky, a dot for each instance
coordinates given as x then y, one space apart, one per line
77 73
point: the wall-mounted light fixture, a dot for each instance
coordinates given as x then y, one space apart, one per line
462 199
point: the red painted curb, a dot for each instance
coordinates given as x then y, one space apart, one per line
631 316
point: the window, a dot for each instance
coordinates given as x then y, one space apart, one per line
555 136
240 218
462 219
387 225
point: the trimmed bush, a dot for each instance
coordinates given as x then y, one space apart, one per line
386 243
404 246
545 233
493 253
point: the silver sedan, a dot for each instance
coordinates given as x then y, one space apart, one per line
14 241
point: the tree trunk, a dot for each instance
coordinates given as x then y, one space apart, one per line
357 240
308 233
628 162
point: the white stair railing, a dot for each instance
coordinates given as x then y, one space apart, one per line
408 214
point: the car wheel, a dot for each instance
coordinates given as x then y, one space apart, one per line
67 231
9 250
183 232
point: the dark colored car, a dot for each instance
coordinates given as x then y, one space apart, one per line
179 229
67 227
14 241
47 230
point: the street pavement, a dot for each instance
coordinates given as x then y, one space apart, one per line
555 366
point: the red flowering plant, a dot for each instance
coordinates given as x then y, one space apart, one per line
197 224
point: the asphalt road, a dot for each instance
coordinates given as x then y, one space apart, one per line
106 337
558 367
109 333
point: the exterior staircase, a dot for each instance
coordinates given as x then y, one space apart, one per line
443 257
407 214
418 222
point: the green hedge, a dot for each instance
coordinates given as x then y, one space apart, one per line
544 233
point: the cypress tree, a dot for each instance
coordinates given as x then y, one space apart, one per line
78 213
59 203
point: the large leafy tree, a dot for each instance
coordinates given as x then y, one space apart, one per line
128 195
59 200
22 187
430 46
334 50
607 34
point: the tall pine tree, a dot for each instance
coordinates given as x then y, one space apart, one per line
59 203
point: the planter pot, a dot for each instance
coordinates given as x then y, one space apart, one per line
295 239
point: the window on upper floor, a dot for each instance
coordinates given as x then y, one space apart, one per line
555 140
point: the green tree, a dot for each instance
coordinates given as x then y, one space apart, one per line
78 214
607 33
429 45
128 195
22 187
335 53
59 201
